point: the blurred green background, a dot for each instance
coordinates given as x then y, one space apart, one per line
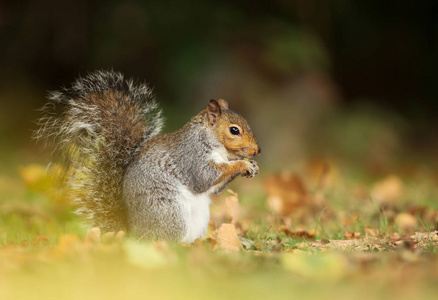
348 80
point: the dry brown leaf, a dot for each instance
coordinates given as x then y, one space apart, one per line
349 235
232 206
286 192
406 221
387 191
395 236
425 236
371 232
227 238
298 232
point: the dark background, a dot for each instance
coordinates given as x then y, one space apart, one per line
351 79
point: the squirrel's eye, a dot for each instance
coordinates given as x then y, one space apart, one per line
234 130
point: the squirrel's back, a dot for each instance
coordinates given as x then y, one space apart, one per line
96 127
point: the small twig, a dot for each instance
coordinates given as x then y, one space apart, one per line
267 231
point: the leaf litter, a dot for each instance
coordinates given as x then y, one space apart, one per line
376 235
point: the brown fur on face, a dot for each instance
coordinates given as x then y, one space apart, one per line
243 145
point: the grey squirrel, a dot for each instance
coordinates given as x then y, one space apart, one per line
123 175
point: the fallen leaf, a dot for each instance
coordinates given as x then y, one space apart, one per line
425 236
395 236
286 192
297 233
227 238
349 235
371 232
406 221
387 191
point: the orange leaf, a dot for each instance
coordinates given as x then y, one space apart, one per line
297 233
286 192
227 238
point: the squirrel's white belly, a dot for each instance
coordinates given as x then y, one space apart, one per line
197 206
197 213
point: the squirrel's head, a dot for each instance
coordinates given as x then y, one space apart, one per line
232 130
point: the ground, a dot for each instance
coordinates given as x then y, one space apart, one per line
320 231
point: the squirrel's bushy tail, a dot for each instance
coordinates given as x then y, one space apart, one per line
96 126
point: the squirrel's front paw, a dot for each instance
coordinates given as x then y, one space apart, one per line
252 169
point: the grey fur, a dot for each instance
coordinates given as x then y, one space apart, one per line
104 130
152 183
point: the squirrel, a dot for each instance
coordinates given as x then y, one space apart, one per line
123 175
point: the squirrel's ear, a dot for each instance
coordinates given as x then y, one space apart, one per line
223 103
213 111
